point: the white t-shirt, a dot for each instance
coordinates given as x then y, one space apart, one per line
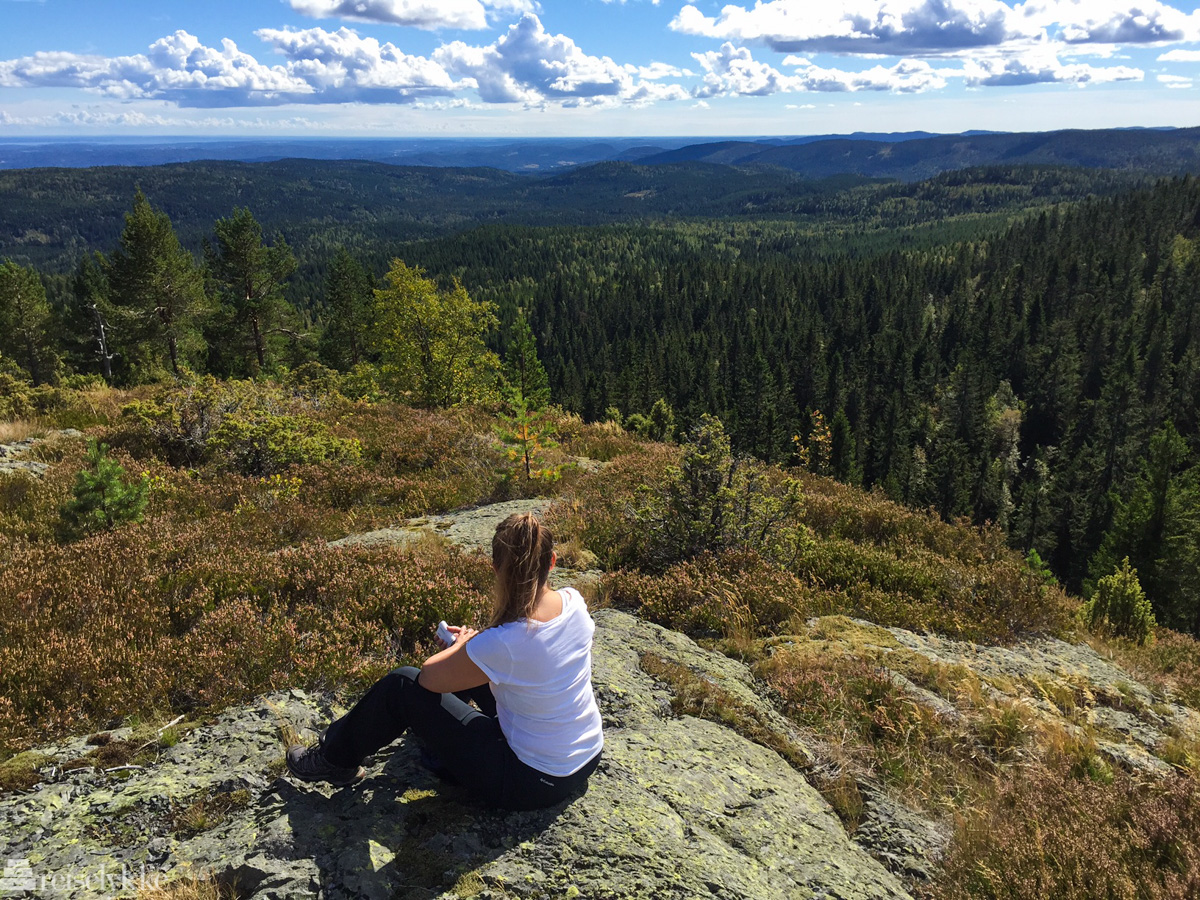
541 676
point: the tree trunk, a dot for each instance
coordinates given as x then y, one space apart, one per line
259 350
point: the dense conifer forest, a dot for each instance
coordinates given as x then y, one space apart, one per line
1018 346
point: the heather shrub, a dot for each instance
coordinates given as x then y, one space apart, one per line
1056 832
603 441
1171 660
1120 606
156 615
840 684
733 595
597 513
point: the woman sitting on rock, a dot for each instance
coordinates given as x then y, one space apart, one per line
536 736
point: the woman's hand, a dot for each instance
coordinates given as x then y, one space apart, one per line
461 633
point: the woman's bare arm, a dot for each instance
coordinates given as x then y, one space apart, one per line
452 669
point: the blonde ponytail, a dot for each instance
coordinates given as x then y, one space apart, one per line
522 553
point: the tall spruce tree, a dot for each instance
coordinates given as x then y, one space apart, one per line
157 281
524 372
348 293
249 277
91 318
1157 527
25 322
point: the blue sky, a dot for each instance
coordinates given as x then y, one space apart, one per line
403 68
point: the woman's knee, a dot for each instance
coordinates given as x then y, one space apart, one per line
408 672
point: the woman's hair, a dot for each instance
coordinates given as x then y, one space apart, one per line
522 552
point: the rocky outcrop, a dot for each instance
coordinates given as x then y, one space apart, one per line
470 529
14 456
1070 686
680 807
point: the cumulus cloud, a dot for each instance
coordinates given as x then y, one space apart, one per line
1042 69
342 66
177 68
733 70
891 27
1185 56
657 71
321 67
931 28
1112 21
427 14
529 65
1176 82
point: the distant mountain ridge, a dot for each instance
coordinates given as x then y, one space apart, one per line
909 156
916 158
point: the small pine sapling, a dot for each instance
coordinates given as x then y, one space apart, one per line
525 429
102 498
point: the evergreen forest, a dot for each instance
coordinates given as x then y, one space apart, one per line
1015 345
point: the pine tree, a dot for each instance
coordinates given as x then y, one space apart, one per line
524 372
91 317
249 277
158 283
348 294
25 322
102 499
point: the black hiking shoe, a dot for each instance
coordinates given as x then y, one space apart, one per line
310 764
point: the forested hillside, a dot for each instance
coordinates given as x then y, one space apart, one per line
1167 152
53 217
1019 379
970 343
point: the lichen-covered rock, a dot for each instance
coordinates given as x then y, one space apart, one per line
12 454
680 807
470 529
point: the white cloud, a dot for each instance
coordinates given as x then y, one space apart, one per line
1185 56
1042 68
528 65
732 70
1112 21
657 71
96 118
177 68
321 67
891 27
427 14
1175 82
343 66
933 28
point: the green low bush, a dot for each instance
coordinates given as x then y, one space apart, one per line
1120 606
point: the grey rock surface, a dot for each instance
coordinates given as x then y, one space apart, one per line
471 529
12 455
1069 685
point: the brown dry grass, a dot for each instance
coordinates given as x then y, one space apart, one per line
189 888
20 429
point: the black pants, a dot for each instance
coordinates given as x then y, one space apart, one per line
466 741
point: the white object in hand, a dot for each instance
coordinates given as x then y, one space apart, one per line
444 634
